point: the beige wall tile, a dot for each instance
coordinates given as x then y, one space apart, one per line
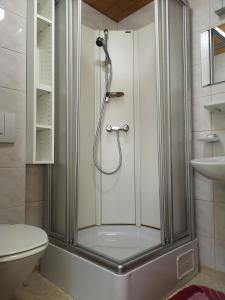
13 155
219 147
220 221
218 88
34 183
13 32
197 90
205 217
12 187
200 148
201 116
34 213
15 102
200 14
12 215
14 66
13 99
220 255
203 188
218 192
206 251
17 6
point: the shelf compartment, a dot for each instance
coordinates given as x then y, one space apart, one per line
44 54
42 24
44 8
216 107
43 19
40 81
43 89
44 108
43 126
43 145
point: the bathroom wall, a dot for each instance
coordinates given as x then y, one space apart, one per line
13 99
209 196
35 195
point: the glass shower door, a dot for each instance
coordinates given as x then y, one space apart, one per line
62 184
104 217
175 104
179 114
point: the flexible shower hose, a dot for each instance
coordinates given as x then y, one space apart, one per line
99 127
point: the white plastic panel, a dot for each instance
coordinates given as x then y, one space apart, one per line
44 53
44 8
40 85
118 192
43 145
44 108
154 280
86 196
148 139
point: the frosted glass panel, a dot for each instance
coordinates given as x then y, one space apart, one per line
177 110
59 170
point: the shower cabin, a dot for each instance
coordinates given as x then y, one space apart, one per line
120 211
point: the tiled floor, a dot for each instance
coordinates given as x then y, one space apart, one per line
210 278
38 288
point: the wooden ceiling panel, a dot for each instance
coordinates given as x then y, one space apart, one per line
117 10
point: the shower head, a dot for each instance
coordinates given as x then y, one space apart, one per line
100 42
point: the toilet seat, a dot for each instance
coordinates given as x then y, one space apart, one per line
19 241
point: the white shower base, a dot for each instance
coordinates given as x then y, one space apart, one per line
119 241
154 280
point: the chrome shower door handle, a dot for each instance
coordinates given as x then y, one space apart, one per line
110 128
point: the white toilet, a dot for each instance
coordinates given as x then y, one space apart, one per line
21 246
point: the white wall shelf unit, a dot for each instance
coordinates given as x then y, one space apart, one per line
40 82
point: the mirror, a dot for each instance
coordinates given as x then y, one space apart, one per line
213 55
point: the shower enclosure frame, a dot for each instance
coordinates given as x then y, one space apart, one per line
170 241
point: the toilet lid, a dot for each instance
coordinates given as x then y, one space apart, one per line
20 238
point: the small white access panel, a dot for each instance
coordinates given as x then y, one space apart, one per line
40 82
7 127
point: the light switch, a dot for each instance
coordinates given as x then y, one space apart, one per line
7 127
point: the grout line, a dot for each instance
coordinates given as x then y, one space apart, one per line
15 51
14 206
13 12
35 201
13 89
209 201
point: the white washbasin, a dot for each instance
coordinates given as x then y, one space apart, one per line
211 167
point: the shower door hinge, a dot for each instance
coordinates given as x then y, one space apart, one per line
167 240
71 241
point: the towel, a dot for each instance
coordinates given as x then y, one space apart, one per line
198 292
